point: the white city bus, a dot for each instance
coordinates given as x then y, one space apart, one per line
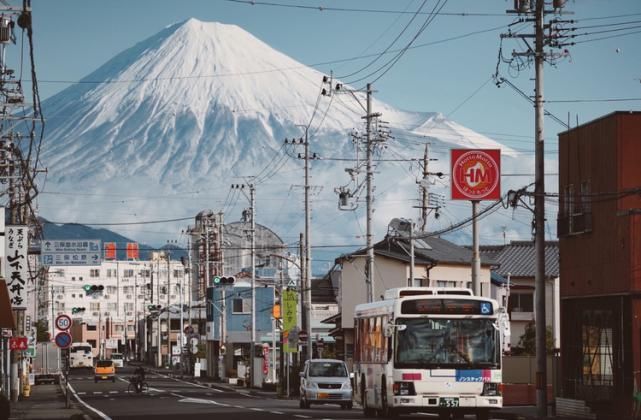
80 355
428 350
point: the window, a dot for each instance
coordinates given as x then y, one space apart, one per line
128 273
144 273
91 327
178 274
521 302
241 306
445 283
73 295
92 343
129 306
94 306
112 306
127 290
110 272
111 290
94 272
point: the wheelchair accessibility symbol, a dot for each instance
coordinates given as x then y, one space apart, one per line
486 308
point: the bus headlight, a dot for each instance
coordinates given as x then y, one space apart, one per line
492 389
404 388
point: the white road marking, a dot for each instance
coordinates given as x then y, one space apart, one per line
277 412
300 416
97 392
191 383
98 412
256 409
197 400
114 392
82 393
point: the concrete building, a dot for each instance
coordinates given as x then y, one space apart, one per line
515 263
437 263
105 301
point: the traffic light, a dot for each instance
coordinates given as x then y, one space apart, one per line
154 307
224 280
77 310
93 288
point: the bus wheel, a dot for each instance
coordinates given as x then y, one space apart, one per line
367 412
385 410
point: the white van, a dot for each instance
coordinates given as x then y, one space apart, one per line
117 359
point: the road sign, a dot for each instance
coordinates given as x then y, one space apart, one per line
18 343
63 322
302 336
71 252
63 340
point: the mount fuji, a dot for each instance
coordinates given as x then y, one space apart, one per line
162 130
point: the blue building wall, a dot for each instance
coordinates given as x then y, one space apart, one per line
240 322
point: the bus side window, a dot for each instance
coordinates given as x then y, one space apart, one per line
389 349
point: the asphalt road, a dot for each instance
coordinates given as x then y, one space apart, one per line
170 398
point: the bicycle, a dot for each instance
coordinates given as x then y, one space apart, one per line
136 385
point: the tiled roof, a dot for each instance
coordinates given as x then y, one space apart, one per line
518 258
429 251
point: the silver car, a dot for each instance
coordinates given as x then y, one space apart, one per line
326 381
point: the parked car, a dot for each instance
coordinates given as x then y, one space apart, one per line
117 359
104 371
326 381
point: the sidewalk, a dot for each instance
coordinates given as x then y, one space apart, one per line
46 402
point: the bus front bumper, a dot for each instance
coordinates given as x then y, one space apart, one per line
447 402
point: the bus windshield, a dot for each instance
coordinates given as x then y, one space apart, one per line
447 343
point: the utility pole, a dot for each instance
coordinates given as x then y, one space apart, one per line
169 352
555 39
306 280
539 218
308 256
370 174
252 215
476 258
424 188
223 312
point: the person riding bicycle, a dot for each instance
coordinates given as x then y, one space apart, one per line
140 377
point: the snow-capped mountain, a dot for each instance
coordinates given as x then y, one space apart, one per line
164 128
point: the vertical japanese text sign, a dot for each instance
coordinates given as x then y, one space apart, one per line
16 269
290 317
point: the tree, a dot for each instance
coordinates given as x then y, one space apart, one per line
527 342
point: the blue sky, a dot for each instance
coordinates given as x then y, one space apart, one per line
448 69
74 37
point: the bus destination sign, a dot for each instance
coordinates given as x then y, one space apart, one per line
446 307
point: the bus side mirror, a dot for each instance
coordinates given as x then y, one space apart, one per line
389 330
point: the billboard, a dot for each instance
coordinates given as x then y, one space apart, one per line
110 250
476 174
16 268
133 252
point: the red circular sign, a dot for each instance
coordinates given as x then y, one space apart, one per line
476 174
63 339
63 322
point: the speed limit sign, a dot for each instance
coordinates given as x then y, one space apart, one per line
63 322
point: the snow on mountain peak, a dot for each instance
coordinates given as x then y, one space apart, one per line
194 106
